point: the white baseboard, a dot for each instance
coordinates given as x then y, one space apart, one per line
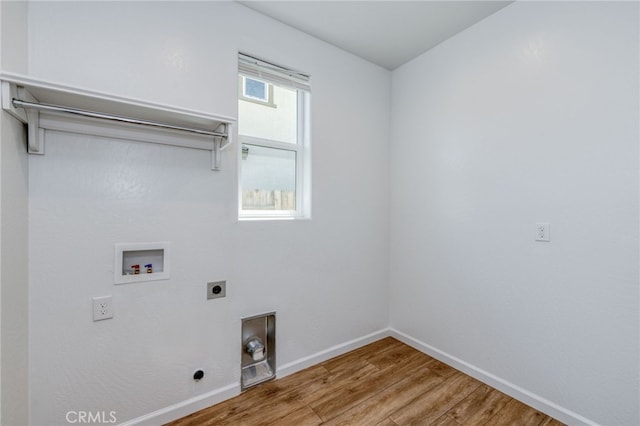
318 357
199 402
184 408
523 395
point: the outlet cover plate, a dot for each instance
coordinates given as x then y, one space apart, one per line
543 232
102 308
216 289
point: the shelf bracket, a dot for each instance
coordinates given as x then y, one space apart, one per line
224 128
35 135
219 144
10 92
216 154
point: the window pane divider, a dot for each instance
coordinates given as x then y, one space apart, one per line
269 143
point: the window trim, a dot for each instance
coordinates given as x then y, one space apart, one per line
252 66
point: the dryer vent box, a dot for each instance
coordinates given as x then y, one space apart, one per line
258 350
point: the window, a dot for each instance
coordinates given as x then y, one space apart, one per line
254 90
273 134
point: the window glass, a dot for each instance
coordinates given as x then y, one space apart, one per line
255 89
268 178
277 121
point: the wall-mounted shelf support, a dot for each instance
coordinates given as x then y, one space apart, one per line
43 105
35 135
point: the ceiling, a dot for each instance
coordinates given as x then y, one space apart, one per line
387 33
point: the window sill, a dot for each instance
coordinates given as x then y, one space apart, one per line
253 218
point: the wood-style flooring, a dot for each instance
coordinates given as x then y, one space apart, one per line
385 383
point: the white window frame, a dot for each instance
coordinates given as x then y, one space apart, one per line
303 163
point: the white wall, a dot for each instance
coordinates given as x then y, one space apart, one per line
14 272
529 116
14 40
13 229
326 278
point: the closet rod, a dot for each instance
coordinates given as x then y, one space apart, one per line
18 103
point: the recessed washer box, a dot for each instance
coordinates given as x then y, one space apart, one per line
132 262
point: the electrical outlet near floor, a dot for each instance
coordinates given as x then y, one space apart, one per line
102 308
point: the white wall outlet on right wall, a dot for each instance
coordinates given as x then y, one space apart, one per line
542 231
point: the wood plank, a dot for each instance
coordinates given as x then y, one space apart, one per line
550 421
441 368
284 397
265 413
346 397
304 416
391 357
479 406
363 353
254 397
446 420
377 408
430 406
518 413
337 379
386 422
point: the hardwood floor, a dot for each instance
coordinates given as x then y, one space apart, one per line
386 383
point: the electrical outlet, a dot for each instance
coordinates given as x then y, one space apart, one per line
216 289
542 232
102 308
